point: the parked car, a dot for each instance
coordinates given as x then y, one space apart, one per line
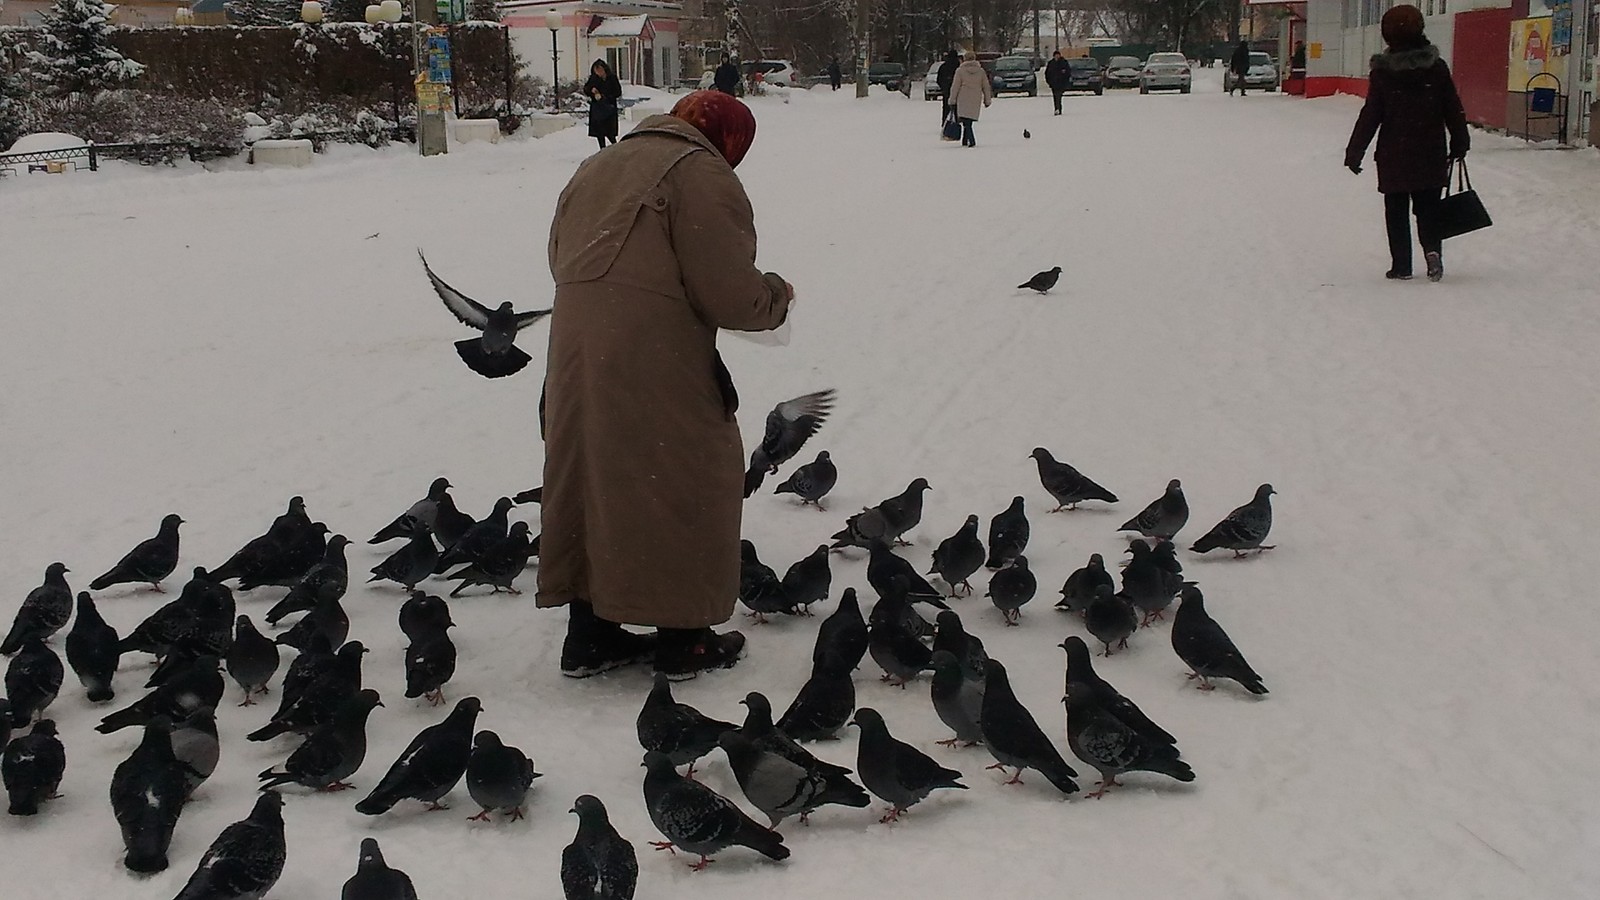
1014 75
888 74
1084 74
1123 71
773 71
930 87
1165 72
1262 74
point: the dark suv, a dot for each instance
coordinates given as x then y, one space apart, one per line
1013 75
1084 74
890 74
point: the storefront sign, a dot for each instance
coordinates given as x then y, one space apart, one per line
1530 53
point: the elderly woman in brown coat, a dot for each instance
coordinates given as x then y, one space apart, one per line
653 250
970 93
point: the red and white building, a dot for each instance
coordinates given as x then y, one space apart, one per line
638 38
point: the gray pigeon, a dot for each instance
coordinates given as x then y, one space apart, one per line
789 425
33 679
1145 584
779 787
1067 485
196 747
1110 618
374 880
150 561
958 701
194 684
959 557
423 614
1207 650
1244 529
1080 668
677 730
252 660
430 664
599 864
498 566
1012 736
822 706
332 752
1043 281
425 511
894 771
328 618
92 650
842 636
760 589
147 794
1082 584
494 354
45 611
808 580
431 765
479 539
697 819
894 647
1011 588
412 563
1164 517
1112 745
245 860
885 568
304 706
327 580
498 777
758 728
1008 535
31 767
812 481
887 522
953 638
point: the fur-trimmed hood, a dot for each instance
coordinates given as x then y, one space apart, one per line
1412 59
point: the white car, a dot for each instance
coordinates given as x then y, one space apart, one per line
1262 74
773 71
930 87
1165 72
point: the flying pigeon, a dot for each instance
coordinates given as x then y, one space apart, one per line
1109 731
697 819
332 752
842 636
1164 517
499 565
245 860
252 660
894 647
780 788
808 580
197 748
812 481
1145 584
479 539
31 767
425 511
599 864
1008 535
92 650
328 618
494 354
326 580
1067 485
498 777
430 664
374 880
1202 644
147 794
952 637
195 684
887 522
957 701
822 706
677 730
760 590
33 679
431 765
412 563
894 771
959 557
150 561
789 425
1244 529
1012 736
1081 585
1110 618
423 614
45 611
1011 588
1042 281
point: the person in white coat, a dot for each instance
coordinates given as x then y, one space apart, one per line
970 92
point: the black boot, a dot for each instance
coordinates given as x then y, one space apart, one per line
594 645
684 653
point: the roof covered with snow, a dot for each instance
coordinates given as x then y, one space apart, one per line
621 26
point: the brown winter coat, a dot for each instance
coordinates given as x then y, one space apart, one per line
652 249
970 91
1411 105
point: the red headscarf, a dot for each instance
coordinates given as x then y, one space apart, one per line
726 123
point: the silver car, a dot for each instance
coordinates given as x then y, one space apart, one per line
1165 72
1262 74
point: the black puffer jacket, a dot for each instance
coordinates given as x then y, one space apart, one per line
1412 106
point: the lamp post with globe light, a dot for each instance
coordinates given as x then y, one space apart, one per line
552 21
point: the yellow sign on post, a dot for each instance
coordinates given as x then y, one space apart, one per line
431 95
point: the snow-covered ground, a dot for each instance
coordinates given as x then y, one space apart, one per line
211 343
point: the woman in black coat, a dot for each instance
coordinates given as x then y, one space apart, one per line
603 90
945 77
1412 106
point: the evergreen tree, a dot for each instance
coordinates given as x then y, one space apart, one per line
76 56
264 12
13 114
483 11
346 10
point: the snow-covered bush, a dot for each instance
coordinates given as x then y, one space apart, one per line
14 112
264 12
74 56
210 125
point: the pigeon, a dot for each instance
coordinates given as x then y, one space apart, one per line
953 638
957 700
150 561
194 684
1164 517
478 539
300 552
425 511
450 523
894 647
498 777
431 765
1081 585
1110 733
812 481
147 794
958 557
5 722
32 680
500 565
411 563
31 768
781 788
599 864
531 495
1008 535
1206 649
1080 668
1042 281
1165 554
252 660
885 568
494 354
423 614
45 611
92 650
245 860
1244 529
1012 736
374 880
677 730
758 727
1011 588
197 748
822 706
789 425
1110 618
327 580
312 663
808 580
699 820
760 590
262 553
842 636
430 663
1025 135
328 618
332 752
199 620
886 522
303 708
1145 584
895 606
894 771
1067 485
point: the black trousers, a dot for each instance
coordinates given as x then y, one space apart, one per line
1398 209
1055 94
967 138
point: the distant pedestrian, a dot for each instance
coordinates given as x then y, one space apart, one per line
1239 65
1056 75
1297 59
970 92
945 78
603 90
835 74
1412 106
726 78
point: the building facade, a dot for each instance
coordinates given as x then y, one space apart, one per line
132 13
638 38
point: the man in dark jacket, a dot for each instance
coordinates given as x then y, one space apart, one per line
1239 65
1056 74
726 78
835 74
1412 105
947 76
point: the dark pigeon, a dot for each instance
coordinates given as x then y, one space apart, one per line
199 620
1110 618
150 561
498 566
31 767
1043 281
252 660
531 495
332 752
1082 584
1145 584
894 647
5 722
760 589
957 700
194 684
312 663
789 425
959 557
822 706
887 522
328 619
599 864
953 637
1206 649
781 788
478 539
327 580
302 708
1244 529
245 860
374 880
1067 485
148 790
450 523
498 777
894 771
808 580
1025 135
1011 588
759 728
423 614
842 636
304 548
33 679
263 553
197 748
1110 733
431 765
697 819
1164 517
677 730
45 611
494 354
92 650
430 664
425 511
812 481
1080 668
1012 736
885 567
410 564
1008 535
895 606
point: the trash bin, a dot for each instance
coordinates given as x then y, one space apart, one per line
1543 100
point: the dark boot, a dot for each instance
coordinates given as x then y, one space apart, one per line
594 645
684 653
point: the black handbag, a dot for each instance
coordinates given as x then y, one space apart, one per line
952 126
1460 211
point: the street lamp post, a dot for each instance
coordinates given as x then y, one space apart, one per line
552 21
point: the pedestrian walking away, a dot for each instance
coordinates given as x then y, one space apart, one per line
970 93
947 77
1239 65
1056 74
1413 109
726 78
603 90
835 74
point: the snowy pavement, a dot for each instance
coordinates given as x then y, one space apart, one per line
211 343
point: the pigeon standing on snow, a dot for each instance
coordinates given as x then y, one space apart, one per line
1011 588
299 553
195 684
887 522
1110 618
789 425
1067 485
677 730
599 864
263 553
1145 584
326 580
498 566
780 788
92 650
498 777
31 767
328 618
697 819
1164 517
1244 529
431 765
252 660
425 511
1008 535
953 638
430 664
245 860
44 611
1042 281
302 707
959 556
1080 668
822 706
374 880
331 752
894 647
531 495
1202 644
1110 733
957 701
494 354
147 794
199 620
412 563
423 614
759 728
5 722
197 748
33 679
150 561
1081 585
760 590
478 539
809 579
1026 134
812 481
886 568
1013 737
894 771
842 636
